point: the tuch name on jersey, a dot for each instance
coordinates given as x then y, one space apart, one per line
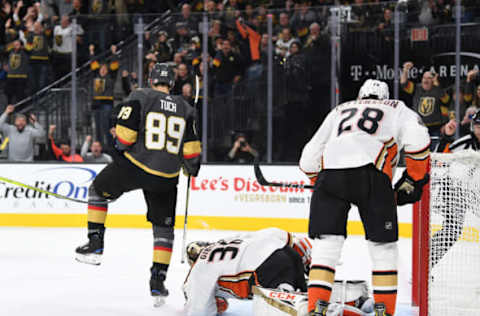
168 106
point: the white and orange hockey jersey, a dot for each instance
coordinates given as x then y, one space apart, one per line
367 131
225 268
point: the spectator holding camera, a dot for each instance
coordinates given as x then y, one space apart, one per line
95 155
21 136
241 152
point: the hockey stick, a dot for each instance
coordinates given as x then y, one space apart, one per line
58 196
261 179
184 241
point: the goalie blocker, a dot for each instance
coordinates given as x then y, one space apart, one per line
349 298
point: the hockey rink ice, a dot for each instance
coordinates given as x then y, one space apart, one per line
39 276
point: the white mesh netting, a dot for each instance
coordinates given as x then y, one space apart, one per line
454 281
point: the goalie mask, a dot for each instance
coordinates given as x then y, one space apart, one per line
194 249
303 247
374 89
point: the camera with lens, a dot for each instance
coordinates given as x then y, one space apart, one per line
243 144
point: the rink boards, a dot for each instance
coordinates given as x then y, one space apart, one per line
222 197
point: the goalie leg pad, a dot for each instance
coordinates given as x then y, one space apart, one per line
384 274
274 302
325 255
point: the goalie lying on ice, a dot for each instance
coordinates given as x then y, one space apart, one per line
229 268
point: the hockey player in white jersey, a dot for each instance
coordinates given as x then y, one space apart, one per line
354 154
228 268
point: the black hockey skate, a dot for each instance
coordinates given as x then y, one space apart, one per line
157 287
380 310
92 251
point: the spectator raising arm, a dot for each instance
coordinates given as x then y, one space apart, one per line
56 151
253 38
63 153
86 143
21 136
4 127
37 130
96 154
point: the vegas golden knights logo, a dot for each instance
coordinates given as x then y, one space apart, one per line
97 6
99 85
59 40
427 105
15 61
37 43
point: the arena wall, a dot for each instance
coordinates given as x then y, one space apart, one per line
222 197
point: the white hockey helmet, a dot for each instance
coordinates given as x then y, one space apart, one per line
373 88
194 249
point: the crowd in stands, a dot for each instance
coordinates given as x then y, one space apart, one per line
36 45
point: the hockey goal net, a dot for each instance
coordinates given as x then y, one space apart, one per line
446 238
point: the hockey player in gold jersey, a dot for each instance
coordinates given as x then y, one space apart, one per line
155 136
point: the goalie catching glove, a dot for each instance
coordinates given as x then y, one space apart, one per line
409 190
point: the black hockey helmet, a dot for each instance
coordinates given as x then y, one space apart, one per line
475 120
162 73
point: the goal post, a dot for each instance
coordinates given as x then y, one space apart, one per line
446 238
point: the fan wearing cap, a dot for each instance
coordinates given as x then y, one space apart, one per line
228 268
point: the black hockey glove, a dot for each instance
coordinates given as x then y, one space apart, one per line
409 190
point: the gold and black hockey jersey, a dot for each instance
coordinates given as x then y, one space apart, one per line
158 133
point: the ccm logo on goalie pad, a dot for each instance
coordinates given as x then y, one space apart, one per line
284 296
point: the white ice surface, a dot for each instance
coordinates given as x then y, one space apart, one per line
38 275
